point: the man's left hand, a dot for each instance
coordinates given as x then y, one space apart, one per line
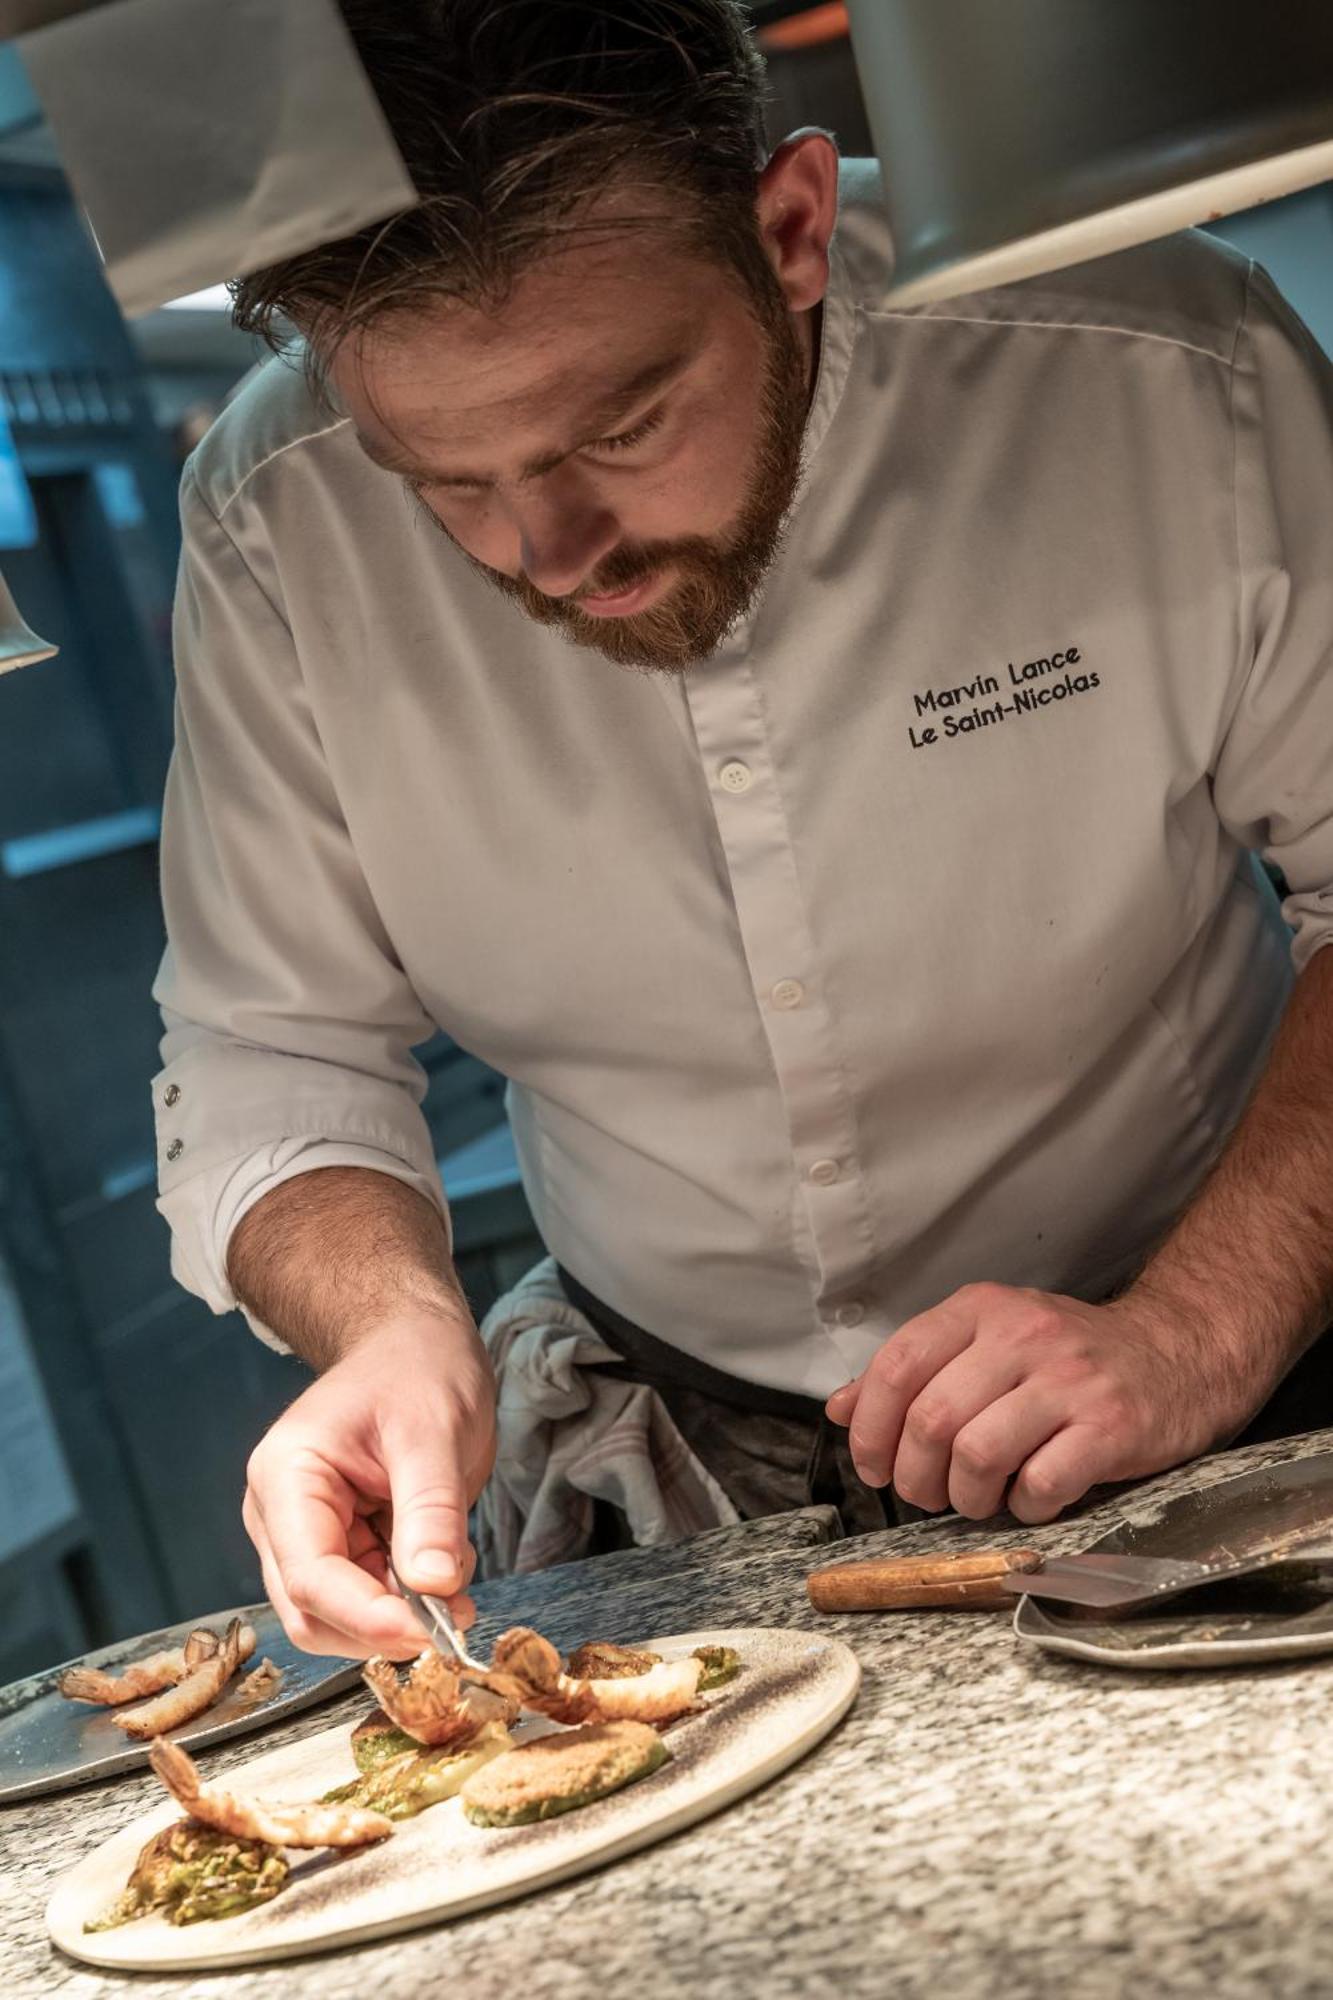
1005 1396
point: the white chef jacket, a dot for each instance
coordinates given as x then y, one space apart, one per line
916 937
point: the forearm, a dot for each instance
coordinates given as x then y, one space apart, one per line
333 1254
1252 1256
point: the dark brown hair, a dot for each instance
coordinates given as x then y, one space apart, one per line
511 116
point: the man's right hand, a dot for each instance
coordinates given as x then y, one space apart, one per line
403 1423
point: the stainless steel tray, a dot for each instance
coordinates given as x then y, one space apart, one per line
1277 1509
48 1744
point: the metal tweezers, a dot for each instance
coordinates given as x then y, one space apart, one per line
434 1614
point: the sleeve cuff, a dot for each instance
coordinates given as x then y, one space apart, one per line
204 1208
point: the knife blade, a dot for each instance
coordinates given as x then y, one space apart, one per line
1109 1580
1130 1582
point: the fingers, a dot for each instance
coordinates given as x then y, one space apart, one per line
1062 1470
304 1510
364 1536
992 1447
429 1496
840 1405
896 1377
313 1635
962 1398
999 1383
371 1433
365 1546
305 1629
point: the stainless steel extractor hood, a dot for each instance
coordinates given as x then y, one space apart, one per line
19 17
206 138
19 644
1016 136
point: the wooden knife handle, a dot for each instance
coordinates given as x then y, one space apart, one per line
904 1583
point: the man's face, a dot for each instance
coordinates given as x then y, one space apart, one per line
614 449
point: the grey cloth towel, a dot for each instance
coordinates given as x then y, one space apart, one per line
569 1436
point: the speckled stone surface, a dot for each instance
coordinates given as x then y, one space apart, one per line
988 1821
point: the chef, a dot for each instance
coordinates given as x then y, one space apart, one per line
823 754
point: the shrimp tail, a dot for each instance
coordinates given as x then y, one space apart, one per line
140 1678
320 1824
177 1770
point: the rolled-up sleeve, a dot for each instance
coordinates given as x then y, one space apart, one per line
1273 778
289 1021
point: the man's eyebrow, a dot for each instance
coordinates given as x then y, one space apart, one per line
609 410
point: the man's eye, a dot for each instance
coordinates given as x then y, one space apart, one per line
626 440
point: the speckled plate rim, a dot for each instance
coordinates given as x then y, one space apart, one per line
329 1677
83 1888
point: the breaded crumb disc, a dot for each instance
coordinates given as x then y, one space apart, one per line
558 1773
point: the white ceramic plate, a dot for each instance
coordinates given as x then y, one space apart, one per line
793 1688
48 1744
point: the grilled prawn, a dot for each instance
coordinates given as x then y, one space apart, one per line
666 1690
195 1692
313 1825
433 1705
141 1677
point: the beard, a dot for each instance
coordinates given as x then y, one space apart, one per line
716 578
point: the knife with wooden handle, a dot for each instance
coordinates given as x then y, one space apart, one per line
919 1583
1103 1578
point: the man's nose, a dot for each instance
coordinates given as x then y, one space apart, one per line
563 535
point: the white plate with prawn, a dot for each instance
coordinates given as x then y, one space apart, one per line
792 1689
49 1742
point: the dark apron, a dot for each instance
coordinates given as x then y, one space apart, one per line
768 1449
771 1450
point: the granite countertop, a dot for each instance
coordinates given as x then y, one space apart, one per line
987 1821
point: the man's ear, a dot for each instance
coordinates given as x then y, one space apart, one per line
797 210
